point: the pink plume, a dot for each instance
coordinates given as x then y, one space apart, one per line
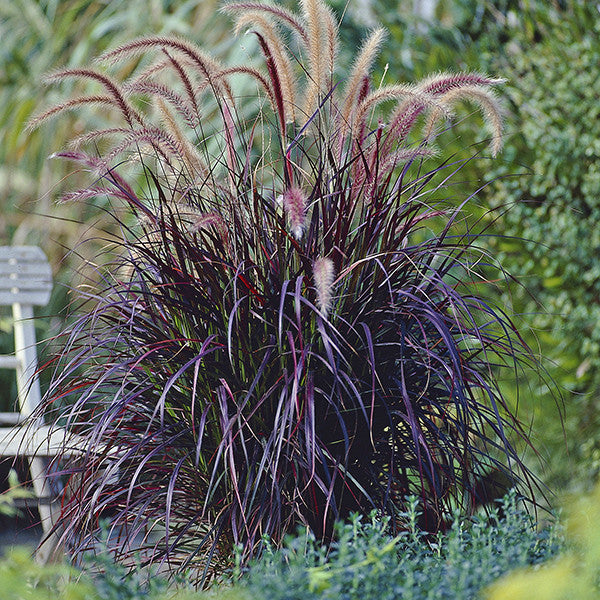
294 203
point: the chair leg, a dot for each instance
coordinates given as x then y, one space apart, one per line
50 545
29 394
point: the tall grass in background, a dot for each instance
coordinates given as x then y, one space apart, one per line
38 36
287 327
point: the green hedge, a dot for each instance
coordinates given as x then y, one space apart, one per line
366 562
555 206
369 562
503 557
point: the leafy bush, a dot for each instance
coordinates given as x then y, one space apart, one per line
113 581
366 561
556 212
24 579
291 331
573 574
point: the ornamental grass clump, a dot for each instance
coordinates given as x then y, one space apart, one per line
289 330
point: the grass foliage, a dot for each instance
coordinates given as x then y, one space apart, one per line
292 330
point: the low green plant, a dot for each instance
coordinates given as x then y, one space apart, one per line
15 491
575 574
22 578
114 581
100 578
369 561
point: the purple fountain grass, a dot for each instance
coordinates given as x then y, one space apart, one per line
291 331
294 203
323 273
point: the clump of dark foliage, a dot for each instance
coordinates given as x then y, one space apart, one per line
290 329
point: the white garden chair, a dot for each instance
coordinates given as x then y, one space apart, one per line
25 282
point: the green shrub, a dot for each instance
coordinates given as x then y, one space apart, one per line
555 211
575 574
368 562
21 578
100 578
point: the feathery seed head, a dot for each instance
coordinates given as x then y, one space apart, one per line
487 101
324 274
361 69
294 203
212 219
207 219
442 82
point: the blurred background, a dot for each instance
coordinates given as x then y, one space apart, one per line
540 199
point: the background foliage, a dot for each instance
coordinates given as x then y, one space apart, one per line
555 209
544 194
42 36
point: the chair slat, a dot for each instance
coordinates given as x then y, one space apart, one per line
16 295
22 254
24 270
8 361
11 418
39 442
25 276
